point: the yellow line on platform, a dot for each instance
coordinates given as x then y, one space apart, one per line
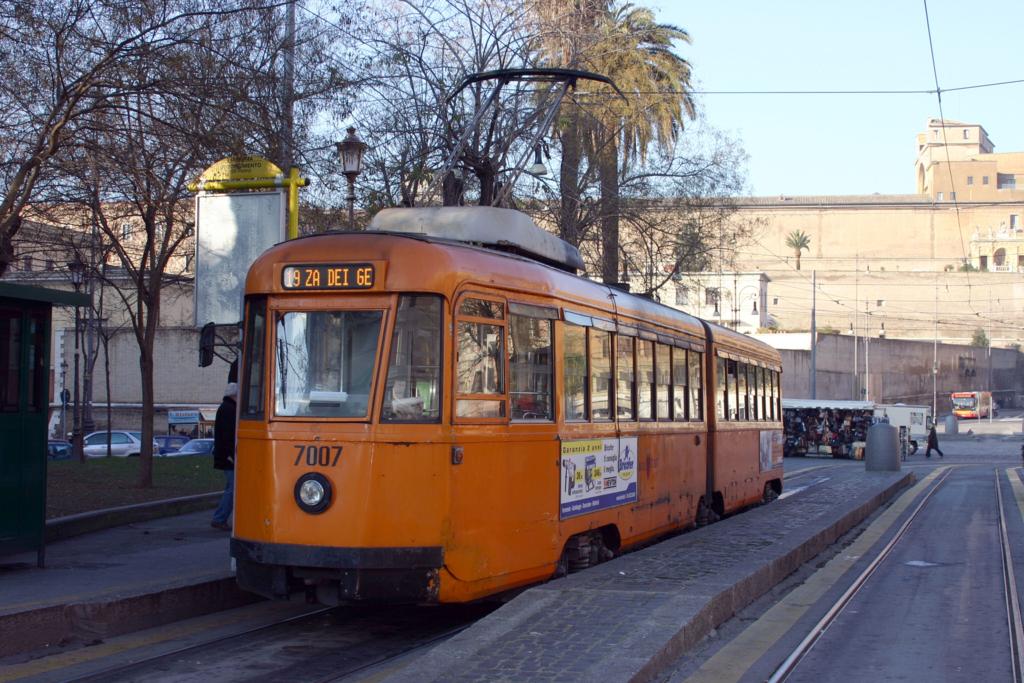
1018 488
733 660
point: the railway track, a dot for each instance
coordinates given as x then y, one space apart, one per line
332 644
1011 599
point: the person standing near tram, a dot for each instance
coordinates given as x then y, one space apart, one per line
224 455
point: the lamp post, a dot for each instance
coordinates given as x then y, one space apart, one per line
77 270
350 152
63 400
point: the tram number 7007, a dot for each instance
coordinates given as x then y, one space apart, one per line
324 456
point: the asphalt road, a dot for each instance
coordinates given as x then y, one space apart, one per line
934 609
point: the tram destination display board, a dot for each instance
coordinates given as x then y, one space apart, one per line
329 276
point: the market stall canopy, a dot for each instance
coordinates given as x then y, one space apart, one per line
822 404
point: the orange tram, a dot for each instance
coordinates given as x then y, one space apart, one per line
439 410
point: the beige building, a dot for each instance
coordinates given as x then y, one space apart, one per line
943 262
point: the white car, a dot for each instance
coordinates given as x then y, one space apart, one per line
122 444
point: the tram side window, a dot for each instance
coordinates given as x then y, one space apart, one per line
695 359
663 380
481 359
574 372
412 392
721 389
742 391
531 368
253 373
680 393
601 396
625 378
777 396
765 391
732 385
645 379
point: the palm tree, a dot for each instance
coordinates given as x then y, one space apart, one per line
798 240
627 44
637 52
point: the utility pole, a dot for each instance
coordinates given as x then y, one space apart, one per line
867 353
853 325
814 334
935 357
288 87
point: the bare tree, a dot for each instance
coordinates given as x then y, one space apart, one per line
409 108
63 61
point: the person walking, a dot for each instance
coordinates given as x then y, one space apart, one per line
933 444
224 454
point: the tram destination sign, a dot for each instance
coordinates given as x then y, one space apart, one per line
330 276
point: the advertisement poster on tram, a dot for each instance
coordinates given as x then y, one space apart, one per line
771 450
597 474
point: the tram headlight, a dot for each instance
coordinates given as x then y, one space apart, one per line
313 493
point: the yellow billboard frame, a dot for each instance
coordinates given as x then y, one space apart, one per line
253 173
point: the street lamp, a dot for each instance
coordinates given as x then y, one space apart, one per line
63 400
538 168
350 151
77 270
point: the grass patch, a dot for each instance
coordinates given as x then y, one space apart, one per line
73 487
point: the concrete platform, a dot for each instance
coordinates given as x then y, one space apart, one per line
629 618
116 581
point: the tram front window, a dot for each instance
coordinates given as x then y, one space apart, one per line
325 363
964 403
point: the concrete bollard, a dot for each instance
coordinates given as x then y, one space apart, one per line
952 426
883 448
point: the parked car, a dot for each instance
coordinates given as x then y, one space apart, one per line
194 447
122 444
170 443
58 450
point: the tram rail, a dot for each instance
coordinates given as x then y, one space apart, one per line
1013 611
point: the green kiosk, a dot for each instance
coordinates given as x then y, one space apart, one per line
24 412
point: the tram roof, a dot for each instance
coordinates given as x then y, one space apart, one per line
502 229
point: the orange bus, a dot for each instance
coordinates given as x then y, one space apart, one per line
439 409
972 404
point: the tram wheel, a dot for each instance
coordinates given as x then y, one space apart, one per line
770 494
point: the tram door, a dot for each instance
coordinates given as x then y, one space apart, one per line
24 351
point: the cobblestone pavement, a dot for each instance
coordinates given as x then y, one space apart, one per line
632 616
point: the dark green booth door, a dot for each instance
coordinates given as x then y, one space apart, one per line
24 360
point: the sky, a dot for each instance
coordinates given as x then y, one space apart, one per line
849 144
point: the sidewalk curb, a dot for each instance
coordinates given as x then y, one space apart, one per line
92 621
97 520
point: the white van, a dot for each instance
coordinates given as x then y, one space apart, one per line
912 421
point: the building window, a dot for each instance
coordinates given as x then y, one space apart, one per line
26 263
682 295
1014 223
983 262
984 180
1006 181
967 134
775 301
126 231
952 196
711 296
938 196
970 180
999 257
49 264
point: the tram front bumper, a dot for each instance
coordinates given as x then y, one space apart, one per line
339 575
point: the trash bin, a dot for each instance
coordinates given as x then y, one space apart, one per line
883 449
952 425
